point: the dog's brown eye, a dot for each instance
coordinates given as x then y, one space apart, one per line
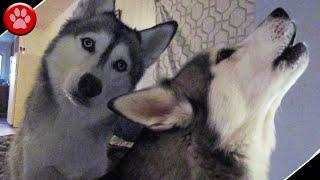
224 54
88 44
120 65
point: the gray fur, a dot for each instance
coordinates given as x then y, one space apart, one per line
61 138
183 153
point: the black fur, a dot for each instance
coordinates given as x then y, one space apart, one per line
290 55
280 13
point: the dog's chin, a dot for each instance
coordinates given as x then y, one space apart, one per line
293 54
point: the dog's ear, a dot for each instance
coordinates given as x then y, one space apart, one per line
156 108
93 7
156 39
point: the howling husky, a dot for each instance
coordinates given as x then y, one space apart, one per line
218 111
94 58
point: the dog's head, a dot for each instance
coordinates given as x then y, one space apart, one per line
234 89
96 57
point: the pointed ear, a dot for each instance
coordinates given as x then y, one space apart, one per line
93 7
156 39
156 108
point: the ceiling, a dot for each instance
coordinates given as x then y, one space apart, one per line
49 10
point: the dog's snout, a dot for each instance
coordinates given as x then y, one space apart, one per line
89 86
280 13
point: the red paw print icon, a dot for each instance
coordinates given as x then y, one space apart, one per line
20 19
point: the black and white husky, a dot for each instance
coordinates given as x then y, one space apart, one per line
218 111
94 58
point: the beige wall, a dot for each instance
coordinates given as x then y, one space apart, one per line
136 13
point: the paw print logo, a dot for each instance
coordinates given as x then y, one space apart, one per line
20 18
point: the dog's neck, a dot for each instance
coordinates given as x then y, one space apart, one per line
252 143
204 149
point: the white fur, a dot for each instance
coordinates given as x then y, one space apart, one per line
246 93
68 62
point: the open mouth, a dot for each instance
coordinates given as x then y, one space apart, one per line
291 53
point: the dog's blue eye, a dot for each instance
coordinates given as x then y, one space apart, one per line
120 65
88 44
224 54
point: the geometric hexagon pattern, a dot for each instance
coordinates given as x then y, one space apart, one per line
202 25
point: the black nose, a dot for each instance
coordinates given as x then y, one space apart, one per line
280 13
89 86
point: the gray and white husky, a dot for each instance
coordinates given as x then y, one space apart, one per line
94 58
218 111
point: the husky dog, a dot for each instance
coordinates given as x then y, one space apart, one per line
94 58
218 111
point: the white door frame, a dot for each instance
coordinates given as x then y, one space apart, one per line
12 80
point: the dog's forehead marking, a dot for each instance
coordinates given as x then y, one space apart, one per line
106 54
121 51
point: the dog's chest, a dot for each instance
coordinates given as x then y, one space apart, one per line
74 150
80 154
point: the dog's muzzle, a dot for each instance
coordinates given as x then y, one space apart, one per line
88 87
292 52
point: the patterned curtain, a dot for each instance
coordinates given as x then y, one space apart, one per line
202 25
